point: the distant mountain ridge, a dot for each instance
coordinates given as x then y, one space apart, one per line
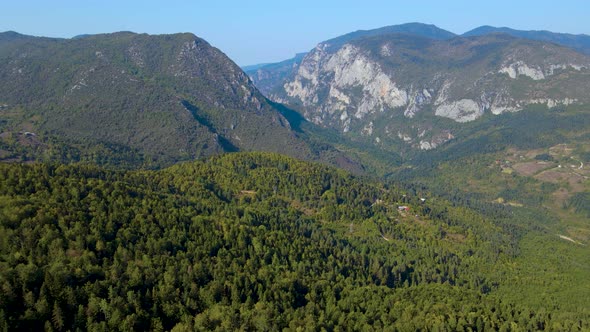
255 67
580 42
415 29
266 76
272 74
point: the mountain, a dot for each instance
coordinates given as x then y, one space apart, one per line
414 29
258 241
580 43
84 35
251 68
132 99
397 90
13 36
267 77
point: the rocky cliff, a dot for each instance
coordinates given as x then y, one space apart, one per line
394 86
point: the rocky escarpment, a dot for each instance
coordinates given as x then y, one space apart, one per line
379 86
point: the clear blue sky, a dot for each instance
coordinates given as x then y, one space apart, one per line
272 30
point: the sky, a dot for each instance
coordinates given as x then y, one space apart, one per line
252 32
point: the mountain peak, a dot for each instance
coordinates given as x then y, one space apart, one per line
161 98
414 28
12 35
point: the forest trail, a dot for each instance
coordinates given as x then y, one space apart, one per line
569 239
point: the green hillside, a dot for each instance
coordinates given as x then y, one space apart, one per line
262 242
133 100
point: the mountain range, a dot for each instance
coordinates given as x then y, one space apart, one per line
136 99
579 42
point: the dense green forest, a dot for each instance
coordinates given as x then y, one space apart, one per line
255 241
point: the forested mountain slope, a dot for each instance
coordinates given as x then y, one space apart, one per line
133 100
255 241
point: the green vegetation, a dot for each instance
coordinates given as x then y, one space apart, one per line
581 203
525 172
248 241
135 101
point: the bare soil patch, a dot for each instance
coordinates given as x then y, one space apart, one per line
531 168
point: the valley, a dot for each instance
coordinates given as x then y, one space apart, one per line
530 164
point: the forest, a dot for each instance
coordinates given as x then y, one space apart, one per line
254 241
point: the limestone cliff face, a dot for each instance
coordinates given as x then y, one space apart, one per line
341 86
385 86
